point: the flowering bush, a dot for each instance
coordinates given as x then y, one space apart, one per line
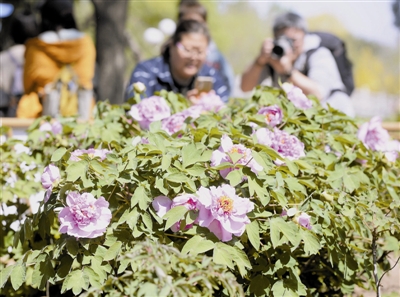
143 211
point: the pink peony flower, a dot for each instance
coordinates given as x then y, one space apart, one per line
392 149
149 110
163 204
50 176
85 216
175 122
296 96
304 220
55 128
227 147
273 115
210 102
373 135
222 211
92 153
288 146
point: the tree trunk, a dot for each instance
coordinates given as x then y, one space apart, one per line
110 43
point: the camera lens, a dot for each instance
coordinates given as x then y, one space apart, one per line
278 51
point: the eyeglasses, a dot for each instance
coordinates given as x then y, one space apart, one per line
190 52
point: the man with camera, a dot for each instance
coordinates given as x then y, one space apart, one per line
285 59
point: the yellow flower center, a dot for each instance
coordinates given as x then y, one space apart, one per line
226 204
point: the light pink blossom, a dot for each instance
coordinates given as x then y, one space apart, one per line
50 176
227 147
222 211
288 146
163 204
304 220
175 122
92 153
210 102
273 115
149 110
296 96
84 216
55 127
392 149
373 135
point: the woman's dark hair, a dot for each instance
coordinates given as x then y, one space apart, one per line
57 14
184 27
192 8
23 27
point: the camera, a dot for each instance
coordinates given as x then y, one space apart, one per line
281 45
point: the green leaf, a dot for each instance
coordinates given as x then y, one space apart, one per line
288 229
391 244
58 154
292 166
76 170
253 232
190 155
17 276
138 195
222 255
197 245
94 278
166 162
241 260
174 215
311 242
113 251
235 177
77 281
4 274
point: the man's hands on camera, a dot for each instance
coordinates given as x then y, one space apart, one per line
283 66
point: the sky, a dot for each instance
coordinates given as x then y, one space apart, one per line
370 20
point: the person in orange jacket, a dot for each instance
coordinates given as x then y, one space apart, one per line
59 44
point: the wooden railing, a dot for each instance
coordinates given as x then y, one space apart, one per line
22 124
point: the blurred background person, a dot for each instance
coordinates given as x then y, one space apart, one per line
194 10
317 74
23 27
181 61
60 51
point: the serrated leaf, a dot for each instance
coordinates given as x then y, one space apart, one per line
58 154
197 245
174 215
253 232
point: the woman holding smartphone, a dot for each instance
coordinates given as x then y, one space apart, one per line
181 62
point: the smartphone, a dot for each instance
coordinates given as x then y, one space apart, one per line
204 84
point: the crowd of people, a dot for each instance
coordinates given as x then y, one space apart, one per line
50 70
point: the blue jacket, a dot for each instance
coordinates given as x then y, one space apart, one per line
156 76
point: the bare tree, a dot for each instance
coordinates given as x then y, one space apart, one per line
110 44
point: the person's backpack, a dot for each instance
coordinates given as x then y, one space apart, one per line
64 96
338 50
